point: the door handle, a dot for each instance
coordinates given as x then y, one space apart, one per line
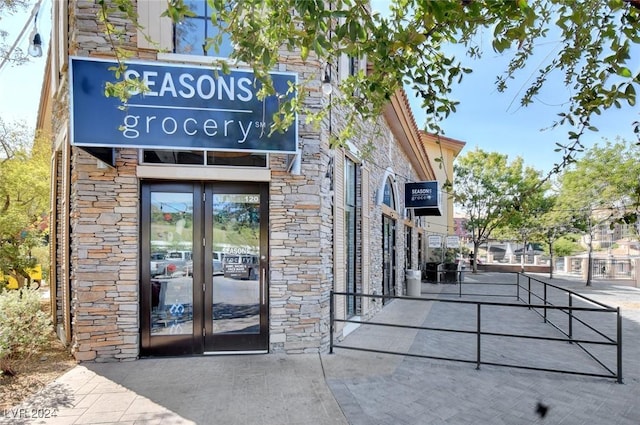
263 282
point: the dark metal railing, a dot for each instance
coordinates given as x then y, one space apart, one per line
547 301
544 303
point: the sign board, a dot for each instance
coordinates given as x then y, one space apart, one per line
423 197
185 107
452 242
434 241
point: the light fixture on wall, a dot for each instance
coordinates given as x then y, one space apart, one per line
327 88
35 41
35 48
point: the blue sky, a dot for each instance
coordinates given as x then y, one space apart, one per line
495 122
485 119
20 86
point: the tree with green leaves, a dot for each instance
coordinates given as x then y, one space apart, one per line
489 190
602 188
24 198
605 179
522 222
551 225
406 46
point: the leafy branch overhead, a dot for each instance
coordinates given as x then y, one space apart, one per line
407 46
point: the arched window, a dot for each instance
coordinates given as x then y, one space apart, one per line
389 196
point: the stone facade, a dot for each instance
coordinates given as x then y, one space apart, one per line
102 206
104 254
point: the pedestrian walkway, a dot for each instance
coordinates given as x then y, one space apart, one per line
424 391
356 387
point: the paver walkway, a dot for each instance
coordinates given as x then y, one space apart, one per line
359 387
424 391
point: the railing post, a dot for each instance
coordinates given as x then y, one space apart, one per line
619 346
529 291
545 302
570 316
478 339
518 286
331 301
460 288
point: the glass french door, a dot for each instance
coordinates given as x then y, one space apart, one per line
204 269
388 257
235 312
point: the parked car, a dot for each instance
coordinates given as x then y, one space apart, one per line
241 266
218 258
174 263
157 263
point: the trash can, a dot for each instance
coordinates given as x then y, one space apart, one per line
450 273
414 285
431 272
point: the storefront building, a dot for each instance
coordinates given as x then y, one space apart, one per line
178 227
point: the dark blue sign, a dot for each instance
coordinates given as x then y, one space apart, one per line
423 197
185 107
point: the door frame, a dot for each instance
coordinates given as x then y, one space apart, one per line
168 345
225 343
195 343
389 284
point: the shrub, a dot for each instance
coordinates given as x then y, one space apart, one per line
24 327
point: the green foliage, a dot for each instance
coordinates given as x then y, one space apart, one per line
24 197
494 193
600 188
603 185
567 245
24 327
407 47
524 221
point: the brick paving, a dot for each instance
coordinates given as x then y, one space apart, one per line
425 391
359 387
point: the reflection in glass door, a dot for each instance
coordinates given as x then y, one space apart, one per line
170 225
236 319
172 263
203 274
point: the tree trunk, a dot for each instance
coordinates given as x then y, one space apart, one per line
551 263
589 261
474 264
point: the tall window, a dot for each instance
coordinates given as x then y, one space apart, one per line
350 243
408 253
353 65
388 196
388 241
420 250
191 34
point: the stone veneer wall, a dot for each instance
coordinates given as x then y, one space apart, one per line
104 258
59 241
300 226
387 153
105 233
103 213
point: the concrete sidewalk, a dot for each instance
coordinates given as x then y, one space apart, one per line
359 387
